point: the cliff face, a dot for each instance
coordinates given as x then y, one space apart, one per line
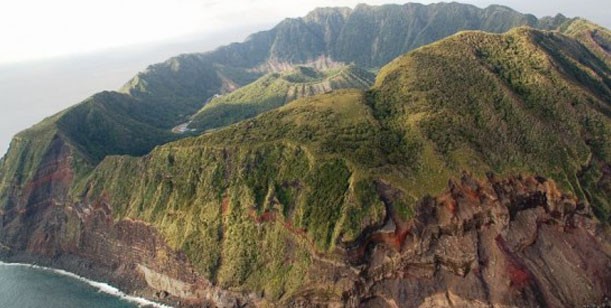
342 198
40 224
514 241
33 208
370 36
504 242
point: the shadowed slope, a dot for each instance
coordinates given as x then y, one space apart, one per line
343 179
313 202
274 90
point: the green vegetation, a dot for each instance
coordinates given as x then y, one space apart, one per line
399 32
527 101
252 203
23 158
596 38
305 172
141 115
274 90
226 198
328 184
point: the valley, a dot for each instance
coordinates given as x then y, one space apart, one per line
282 171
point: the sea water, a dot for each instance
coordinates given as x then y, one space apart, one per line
25 286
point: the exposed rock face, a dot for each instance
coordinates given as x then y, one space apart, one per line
278 197
503 242
510 242
41 226
516 242
33 213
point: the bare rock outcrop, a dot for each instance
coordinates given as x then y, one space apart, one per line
517 241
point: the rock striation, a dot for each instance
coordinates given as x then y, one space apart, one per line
508 242
339 199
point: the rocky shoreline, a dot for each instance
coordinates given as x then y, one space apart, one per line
512 241
99 286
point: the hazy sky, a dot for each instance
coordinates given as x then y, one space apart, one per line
31 91
33 29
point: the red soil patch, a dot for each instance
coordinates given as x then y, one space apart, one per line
267 216
472 195
395 240
453 207
447 200
61 175
299 231
518 273
272 216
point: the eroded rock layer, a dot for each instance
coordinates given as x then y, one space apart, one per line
504 242
515 241
340 199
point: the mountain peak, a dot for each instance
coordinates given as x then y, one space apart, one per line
301 184
497 7
320 14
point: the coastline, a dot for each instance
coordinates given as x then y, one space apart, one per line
100 286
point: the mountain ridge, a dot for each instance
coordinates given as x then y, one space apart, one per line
201 77
347 187
267 164
274 90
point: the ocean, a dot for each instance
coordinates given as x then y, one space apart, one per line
25 286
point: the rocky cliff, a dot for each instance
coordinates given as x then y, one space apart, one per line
339 199
516 241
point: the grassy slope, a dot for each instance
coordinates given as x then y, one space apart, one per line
523 102
374 35
139 117
527 101
27 150
274 90
204 192
314 161
595 37
131 121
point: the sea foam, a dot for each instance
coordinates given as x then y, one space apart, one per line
101 286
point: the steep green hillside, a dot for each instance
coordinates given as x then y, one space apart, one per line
371 36
276 89
525 102
142 114
295 165
595 37
254 206
20 164
397 29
